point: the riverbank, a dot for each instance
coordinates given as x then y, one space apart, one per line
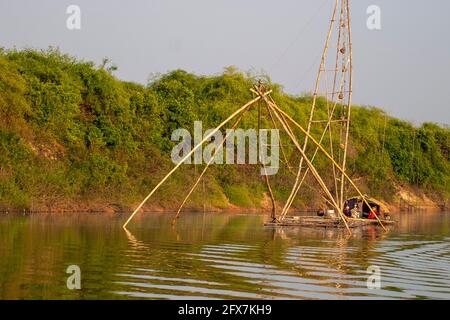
406 201
73 137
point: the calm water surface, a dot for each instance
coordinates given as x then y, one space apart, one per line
220 256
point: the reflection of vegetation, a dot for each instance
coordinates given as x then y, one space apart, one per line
70 130
33 266
227 251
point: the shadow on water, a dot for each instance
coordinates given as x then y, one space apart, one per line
221 256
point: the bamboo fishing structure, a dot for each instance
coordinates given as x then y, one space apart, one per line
338 104
315 96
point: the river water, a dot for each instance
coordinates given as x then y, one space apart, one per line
221 256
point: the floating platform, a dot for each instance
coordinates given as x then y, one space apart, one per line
321 222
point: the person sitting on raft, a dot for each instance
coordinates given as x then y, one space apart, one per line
347 212
355 212
373 213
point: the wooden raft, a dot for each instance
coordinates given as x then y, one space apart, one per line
320 222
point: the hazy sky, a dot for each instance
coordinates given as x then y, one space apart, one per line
403 68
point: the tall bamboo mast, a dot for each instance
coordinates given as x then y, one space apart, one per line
341 96
315 95
349 106
278 113
327 127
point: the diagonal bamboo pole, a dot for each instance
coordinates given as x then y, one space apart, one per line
274 106
338 47
308 163
281 144
349 106
259 90
177 216
272 197
276 127
330 134
190 154
262 163
293 173
327 127
321 68
314 172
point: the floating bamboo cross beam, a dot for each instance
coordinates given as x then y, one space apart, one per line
237 112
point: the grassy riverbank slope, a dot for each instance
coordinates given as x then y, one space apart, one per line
74 137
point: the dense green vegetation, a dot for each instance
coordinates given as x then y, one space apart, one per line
70 132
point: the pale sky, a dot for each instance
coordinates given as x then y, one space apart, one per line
403 68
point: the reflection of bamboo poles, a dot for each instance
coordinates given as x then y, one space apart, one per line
307 161
191 153
177 216
275 107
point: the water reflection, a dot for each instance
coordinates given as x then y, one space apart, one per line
221 256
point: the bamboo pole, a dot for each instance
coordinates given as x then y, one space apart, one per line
262 163
289 204
329 157
259 90
272 197
349 107
190 154
308 163
336 70
315 173
281 144
321 67
177 216
330 133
